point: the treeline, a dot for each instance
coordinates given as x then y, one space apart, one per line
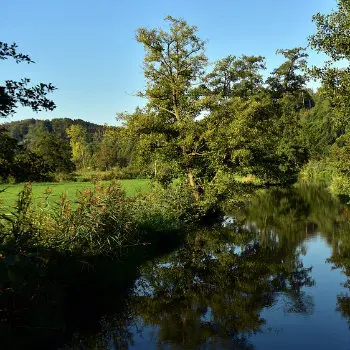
273 130
204 126
41 150
207 126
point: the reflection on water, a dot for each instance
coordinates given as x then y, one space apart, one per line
269 278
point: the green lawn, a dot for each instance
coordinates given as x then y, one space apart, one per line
9 196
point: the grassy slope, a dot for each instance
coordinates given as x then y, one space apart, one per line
9 197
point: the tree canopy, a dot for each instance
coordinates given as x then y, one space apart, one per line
204 127
14 93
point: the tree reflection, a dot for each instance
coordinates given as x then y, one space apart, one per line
211 292
292 215
340 259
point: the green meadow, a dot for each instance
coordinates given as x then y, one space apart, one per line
49 193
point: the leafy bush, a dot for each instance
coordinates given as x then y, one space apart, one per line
317 171
340 185
59 177
99 223
164 210
103 220
16 228
334 169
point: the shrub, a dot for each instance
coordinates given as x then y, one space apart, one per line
16 228
59 177
164 210
99 223
317 171
340 185
116 173
11 180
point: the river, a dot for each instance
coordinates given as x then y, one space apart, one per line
272 275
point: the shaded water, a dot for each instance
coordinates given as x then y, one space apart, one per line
273 276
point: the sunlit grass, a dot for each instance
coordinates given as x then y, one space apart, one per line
49 193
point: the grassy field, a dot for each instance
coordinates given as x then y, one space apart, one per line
9 196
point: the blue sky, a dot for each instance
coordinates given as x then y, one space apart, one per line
87 49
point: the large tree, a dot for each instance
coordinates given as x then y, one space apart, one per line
49 146
173 66
14 93
332 38
78 139
204 128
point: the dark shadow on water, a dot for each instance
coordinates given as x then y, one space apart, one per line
208 293
73 297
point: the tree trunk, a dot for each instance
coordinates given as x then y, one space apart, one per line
193 184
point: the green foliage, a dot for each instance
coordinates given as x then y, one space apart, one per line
165 210
48 142
173 64
114 150
339 159
334 168
20 92
16 227
55 152
198 128
18 164
99 223
79 145
8 147
287 78
318 130
317 171
58 126
332 38
234 76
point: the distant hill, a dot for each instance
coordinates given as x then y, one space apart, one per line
19 129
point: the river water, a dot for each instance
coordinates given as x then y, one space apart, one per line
272 275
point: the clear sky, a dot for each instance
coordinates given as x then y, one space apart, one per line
87 49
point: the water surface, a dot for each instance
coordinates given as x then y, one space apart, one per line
273 275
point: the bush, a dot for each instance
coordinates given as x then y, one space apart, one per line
317 171
340 185
130 172
11 180
59 177
103 220
100 222
164 210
